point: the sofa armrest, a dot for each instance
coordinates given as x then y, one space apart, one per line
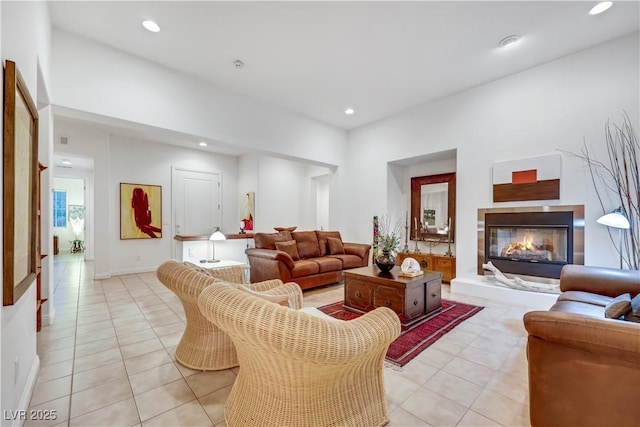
270 254
359 249
599 280
607 337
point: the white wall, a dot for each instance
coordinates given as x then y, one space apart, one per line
24 39
118 159
74 188
554 106
85 79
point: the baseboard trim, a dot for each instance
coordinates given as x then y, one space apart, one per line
134 271
101 276
25 398
49 318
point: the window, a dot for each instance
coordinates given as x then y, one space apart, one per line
59 208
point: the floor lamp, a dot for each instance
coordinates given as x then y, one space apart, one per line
616 219
216 235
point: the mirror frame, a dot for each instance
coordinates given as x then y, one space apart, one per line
416 185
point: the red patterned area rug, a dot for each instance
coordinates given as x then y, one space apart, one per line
411 342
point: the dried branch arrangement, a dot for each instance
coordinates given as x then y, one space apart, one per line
621 177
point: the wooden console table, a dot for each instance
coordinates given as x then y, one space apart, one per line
412 298
444 264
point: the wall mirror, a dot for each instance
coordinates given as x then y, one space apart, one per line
433 207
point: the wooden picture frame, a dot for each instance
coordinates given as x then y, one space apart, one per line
140 211
20 185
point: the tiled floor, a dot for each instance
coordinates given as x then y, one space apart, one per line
108 361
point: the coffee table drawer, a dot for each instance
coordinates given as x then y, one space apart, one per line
358 294
393 298
434 289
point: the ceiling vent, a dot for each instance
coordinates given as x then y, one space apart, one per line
64 140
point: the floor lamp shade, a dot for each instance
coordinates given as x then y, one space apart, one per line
616 219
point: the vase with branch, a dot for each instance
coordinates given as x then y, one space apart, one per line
388 243
619 177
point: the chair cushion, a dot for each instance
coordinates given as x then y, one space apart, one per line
335 246
278 299
586 297
618 307
349 261
307 244
289 247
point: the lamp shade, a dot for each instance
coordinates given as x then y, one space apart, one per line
615 219
217 234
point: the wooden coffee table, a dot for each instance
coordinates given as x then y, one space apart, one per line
412 298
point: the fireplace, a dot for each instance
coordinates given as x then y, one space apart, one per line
531 242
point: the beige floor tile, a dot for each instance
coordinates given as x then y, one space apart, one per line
402 387
492 346
163 398
88 337
473 419
147 361
95 327
434 357
122 413
183 369
98 397
172 328
165 320
97 360
434 408
187 415
51 390
56 356
55 370
132 326
97 376
136 337
56 410
501 409
401 418
472 372
484 358
140 348
454 388
171 340
204 383
154 377
511 386
416 371
58 344
93 347
213 404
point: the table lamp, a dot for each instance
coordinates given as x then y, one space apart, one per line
216 235
616 219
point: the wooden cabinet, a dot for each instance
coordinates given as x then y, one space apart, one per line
413 299
443 264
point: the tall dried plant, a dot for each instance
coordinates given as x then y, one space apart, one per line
620 176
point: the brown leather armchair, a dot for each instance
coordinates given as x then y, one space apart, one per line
584 369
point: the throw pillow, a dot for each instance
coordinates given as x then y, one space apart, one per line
285 228
618 307
289 247
635 305
335 246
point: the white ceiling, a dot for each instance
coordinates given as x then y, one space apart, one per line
317 58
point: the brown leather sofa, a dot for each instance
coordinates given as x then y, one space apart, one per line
308 258
584 368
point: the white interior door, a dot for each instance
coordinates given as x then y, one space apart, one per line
196 200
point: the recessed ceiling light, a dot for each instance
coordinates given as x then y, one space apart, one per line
66 162
151 26
202 144
349 111
509 41
600 7
238 64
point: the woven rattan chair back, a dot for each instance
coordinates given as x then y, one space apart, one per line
300 370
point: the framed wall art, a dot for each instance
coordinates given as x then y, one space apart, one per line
20 182
140 211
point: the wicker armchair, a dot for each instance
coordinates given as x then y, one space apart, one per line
297 369
203 345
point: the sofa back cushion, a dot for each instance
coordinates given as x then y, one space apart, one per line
322 240
268 240
307 243
335 246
